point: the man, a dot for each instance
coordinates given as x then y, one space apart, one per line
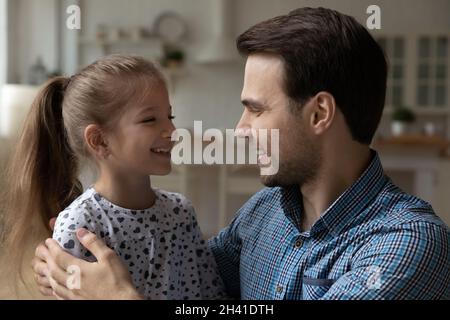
331 225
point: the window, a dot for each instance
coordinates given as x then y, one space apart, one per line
432 71
394 49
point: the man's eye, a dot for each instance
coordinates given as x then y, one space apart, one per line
148 120
256 111
171 117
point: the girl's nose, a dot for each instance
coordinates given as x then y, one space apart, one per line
168 129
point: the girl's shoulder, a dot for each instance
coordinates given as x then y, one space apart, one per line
173 199
82 207
81 213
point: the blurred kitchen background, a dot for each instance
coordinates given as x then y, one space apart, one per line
194 40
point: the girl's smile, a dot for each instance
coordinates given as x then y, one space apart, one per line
162 151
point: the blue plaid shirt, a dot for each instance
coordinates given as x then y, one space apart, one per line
373 242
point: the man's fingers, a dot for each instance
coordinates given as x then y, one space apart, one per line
61 292
62 259
57 274
42 251
51 223
39 267
46 291
58 263
96 246
42 281
41 273
57 297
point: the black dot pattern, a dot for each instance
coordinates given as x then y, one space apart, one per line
162 246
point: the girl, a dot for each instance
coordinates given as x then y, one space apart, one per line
115 112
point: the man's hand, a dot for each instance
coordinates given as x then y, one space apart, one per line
40 269
60 274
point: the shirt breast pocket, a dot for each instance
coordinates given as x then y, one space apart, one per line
314 289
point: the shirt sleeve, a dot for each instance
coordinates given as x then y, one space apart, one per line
408 262
210 282
226 248
66 226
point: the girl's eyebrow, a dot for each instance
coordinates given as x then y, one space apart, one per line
144 110
150 108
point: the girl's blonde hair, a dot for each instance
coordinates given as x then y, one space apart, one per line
42 176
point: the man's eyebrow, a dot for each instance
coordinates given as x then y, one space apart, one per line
253 104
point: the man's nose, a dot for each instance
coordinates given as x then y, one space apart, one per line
243 128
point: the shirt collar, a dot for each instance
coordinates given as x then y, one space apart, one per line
344 209
356 198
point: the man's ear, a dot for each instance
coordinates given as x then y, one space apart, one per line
323 112
96 142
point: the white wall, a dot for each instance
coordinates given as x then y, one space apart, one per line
3 41
208 93
399 16
33 34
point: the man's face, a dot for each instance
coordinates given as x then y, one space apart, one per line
268 107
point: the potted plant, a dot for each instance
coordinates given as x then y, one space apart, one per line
402 117
173 57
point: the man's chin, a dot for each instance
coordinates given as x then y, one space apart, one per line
280 180
270 181
268 176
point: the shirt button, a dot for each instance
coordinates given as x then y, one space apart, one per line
298 244
279 289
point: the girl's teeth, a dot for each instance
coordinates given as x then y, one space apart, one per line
161 150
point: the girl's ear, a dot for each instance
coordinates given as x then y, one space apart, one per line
96 142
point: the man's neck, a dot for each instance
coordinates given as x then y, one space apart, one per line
334 177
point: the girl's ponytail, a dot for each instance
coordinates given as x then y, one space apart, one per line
42 174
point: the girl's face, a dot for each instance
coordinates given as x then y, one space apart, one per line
141 141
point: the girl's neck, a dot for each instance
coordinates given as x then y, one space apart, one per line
125 191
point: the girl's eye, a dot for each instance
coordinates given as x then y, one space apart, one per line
171 117
148 120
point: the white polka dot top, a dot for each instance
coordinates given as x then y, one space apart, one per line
162 246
